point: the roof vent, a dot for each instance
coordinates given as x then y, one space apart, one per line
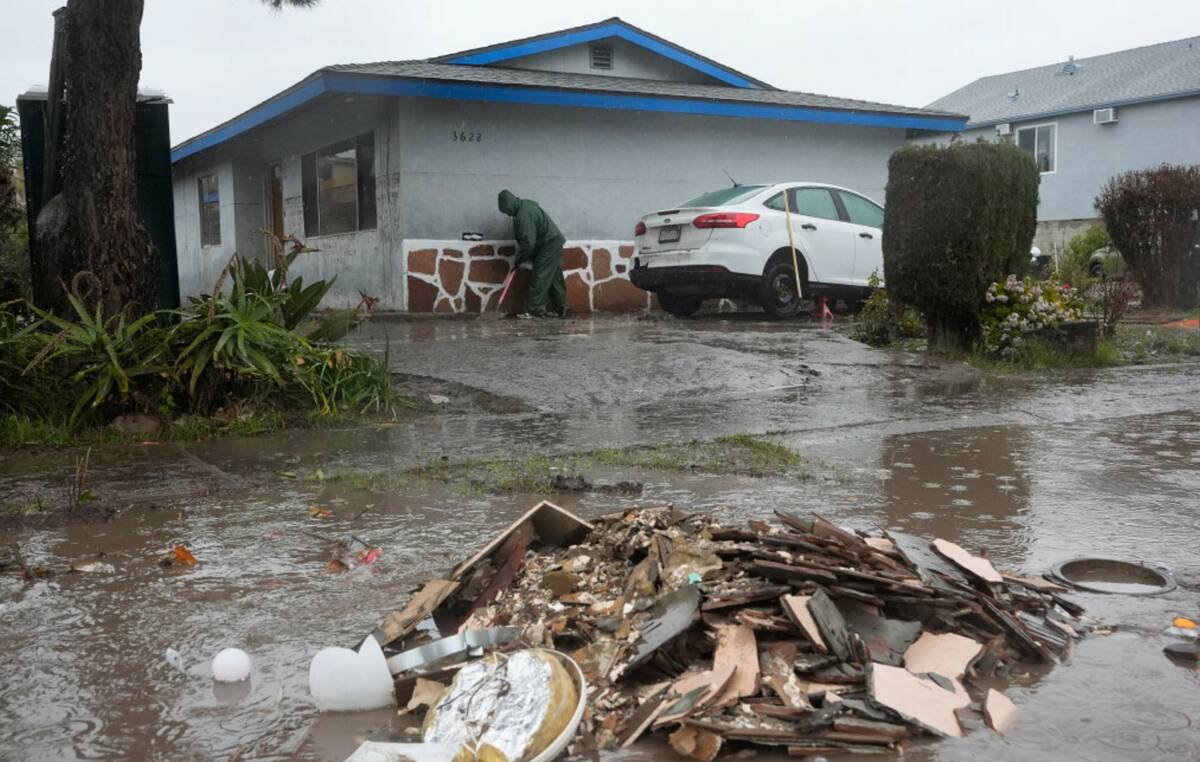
1070 67
1016 93
602 56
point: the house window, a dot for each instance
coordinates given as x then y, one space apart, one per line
210 210
339 187
602 56
1040 142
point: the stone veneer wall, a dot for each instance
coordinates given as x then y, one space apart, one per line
466 276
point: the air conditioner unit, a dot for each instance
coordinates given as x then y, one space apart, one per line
1004 130
1104 116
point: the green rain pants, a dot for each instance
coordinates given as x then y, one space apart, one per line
547 289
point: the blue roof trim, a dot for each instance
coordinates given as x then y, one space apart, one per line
568 39
540 97
368 85
265 112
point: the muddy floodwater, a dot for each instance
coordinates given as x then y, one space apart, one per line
1035 470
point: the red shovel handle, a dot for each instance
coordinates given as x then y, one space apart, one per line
507 284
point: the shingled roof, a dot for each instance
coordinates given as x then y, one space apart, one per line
1155 72
487 74
493 75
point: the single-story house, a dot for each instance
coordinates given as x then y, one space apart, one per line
1087 119
392 169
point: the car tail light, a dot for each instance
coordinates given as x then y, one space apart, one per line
640 228
725 220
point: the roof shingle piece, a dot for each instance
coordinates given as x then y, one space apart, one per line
1154 72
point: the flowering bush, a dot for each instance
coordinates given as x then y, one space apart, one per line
1018 307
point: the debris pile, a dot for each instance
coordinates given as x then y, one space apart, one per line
798 634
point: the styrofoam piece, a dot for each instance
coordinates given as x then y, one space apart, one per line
231 665
342 680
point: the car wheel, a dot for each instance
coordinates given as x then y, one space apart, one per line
779 297
680 306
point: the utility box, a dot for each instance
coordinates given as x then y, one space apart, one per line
155 197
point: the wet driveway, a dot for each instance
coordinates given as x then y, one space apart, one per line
1034 470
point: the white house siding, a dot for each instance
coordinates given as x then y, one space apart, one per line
1145 135
595 171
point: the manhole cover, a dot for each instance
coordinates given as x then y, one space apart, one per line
1106 575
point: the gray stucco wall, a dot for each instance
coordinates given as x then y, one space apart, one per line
629 60
1089 154
595 171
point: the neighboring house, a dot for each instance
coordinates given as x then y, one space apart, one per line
1086 120
384 167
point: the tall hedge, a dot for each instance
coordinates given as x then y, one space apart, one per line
1153 218
956 219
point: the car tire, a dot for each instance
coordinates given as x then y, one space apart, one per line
678 305
778 292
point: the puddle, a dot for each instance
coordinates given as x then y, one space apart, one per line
84 675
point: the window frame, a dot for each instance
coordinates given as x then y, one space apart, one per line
850 218
216 178
1035 127
310 187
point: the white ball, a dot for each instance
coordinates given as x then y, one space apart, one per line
232 665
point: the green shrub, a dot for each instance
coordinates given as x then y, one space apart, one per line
1152 217
882 321
1081 247
956 220
261 343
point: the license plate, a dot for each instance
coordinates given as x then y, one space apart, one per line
668 234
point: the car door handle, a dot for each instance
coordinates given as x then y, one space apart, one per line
865 235
808 226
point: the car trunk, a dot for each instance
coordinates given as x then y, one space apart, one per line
672 230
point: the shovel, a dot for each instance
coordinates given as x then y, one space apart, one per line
496 314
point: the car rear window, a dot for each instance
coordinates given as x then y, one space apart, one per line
724 197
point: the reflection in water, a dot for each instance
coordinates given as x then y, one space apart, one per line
966 486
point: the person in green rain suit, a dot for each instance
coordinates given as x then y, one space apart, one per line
540 243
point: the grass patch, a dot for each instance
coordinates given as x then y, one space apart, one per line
1143 344
734 455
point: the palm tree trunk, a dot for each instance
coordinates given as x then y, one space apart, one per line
92 224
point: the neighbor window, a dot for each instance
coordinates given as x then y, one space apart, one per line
210 210
1041 143
339 187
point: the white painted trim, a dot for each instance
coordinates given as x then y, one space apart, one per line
1035 127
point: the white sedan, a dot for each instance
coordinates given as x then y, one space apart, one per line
733 242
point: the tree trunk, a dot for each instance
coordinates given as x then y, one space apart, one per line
949 336
92 224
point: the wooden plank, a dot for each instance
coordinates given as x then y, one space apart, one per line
796 607
737 647
398 624
917 700
975 565
946 654
774 570
553 526
1001 713
831 624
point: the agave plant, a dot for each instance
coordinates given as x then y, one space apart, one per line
103 354
238 332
